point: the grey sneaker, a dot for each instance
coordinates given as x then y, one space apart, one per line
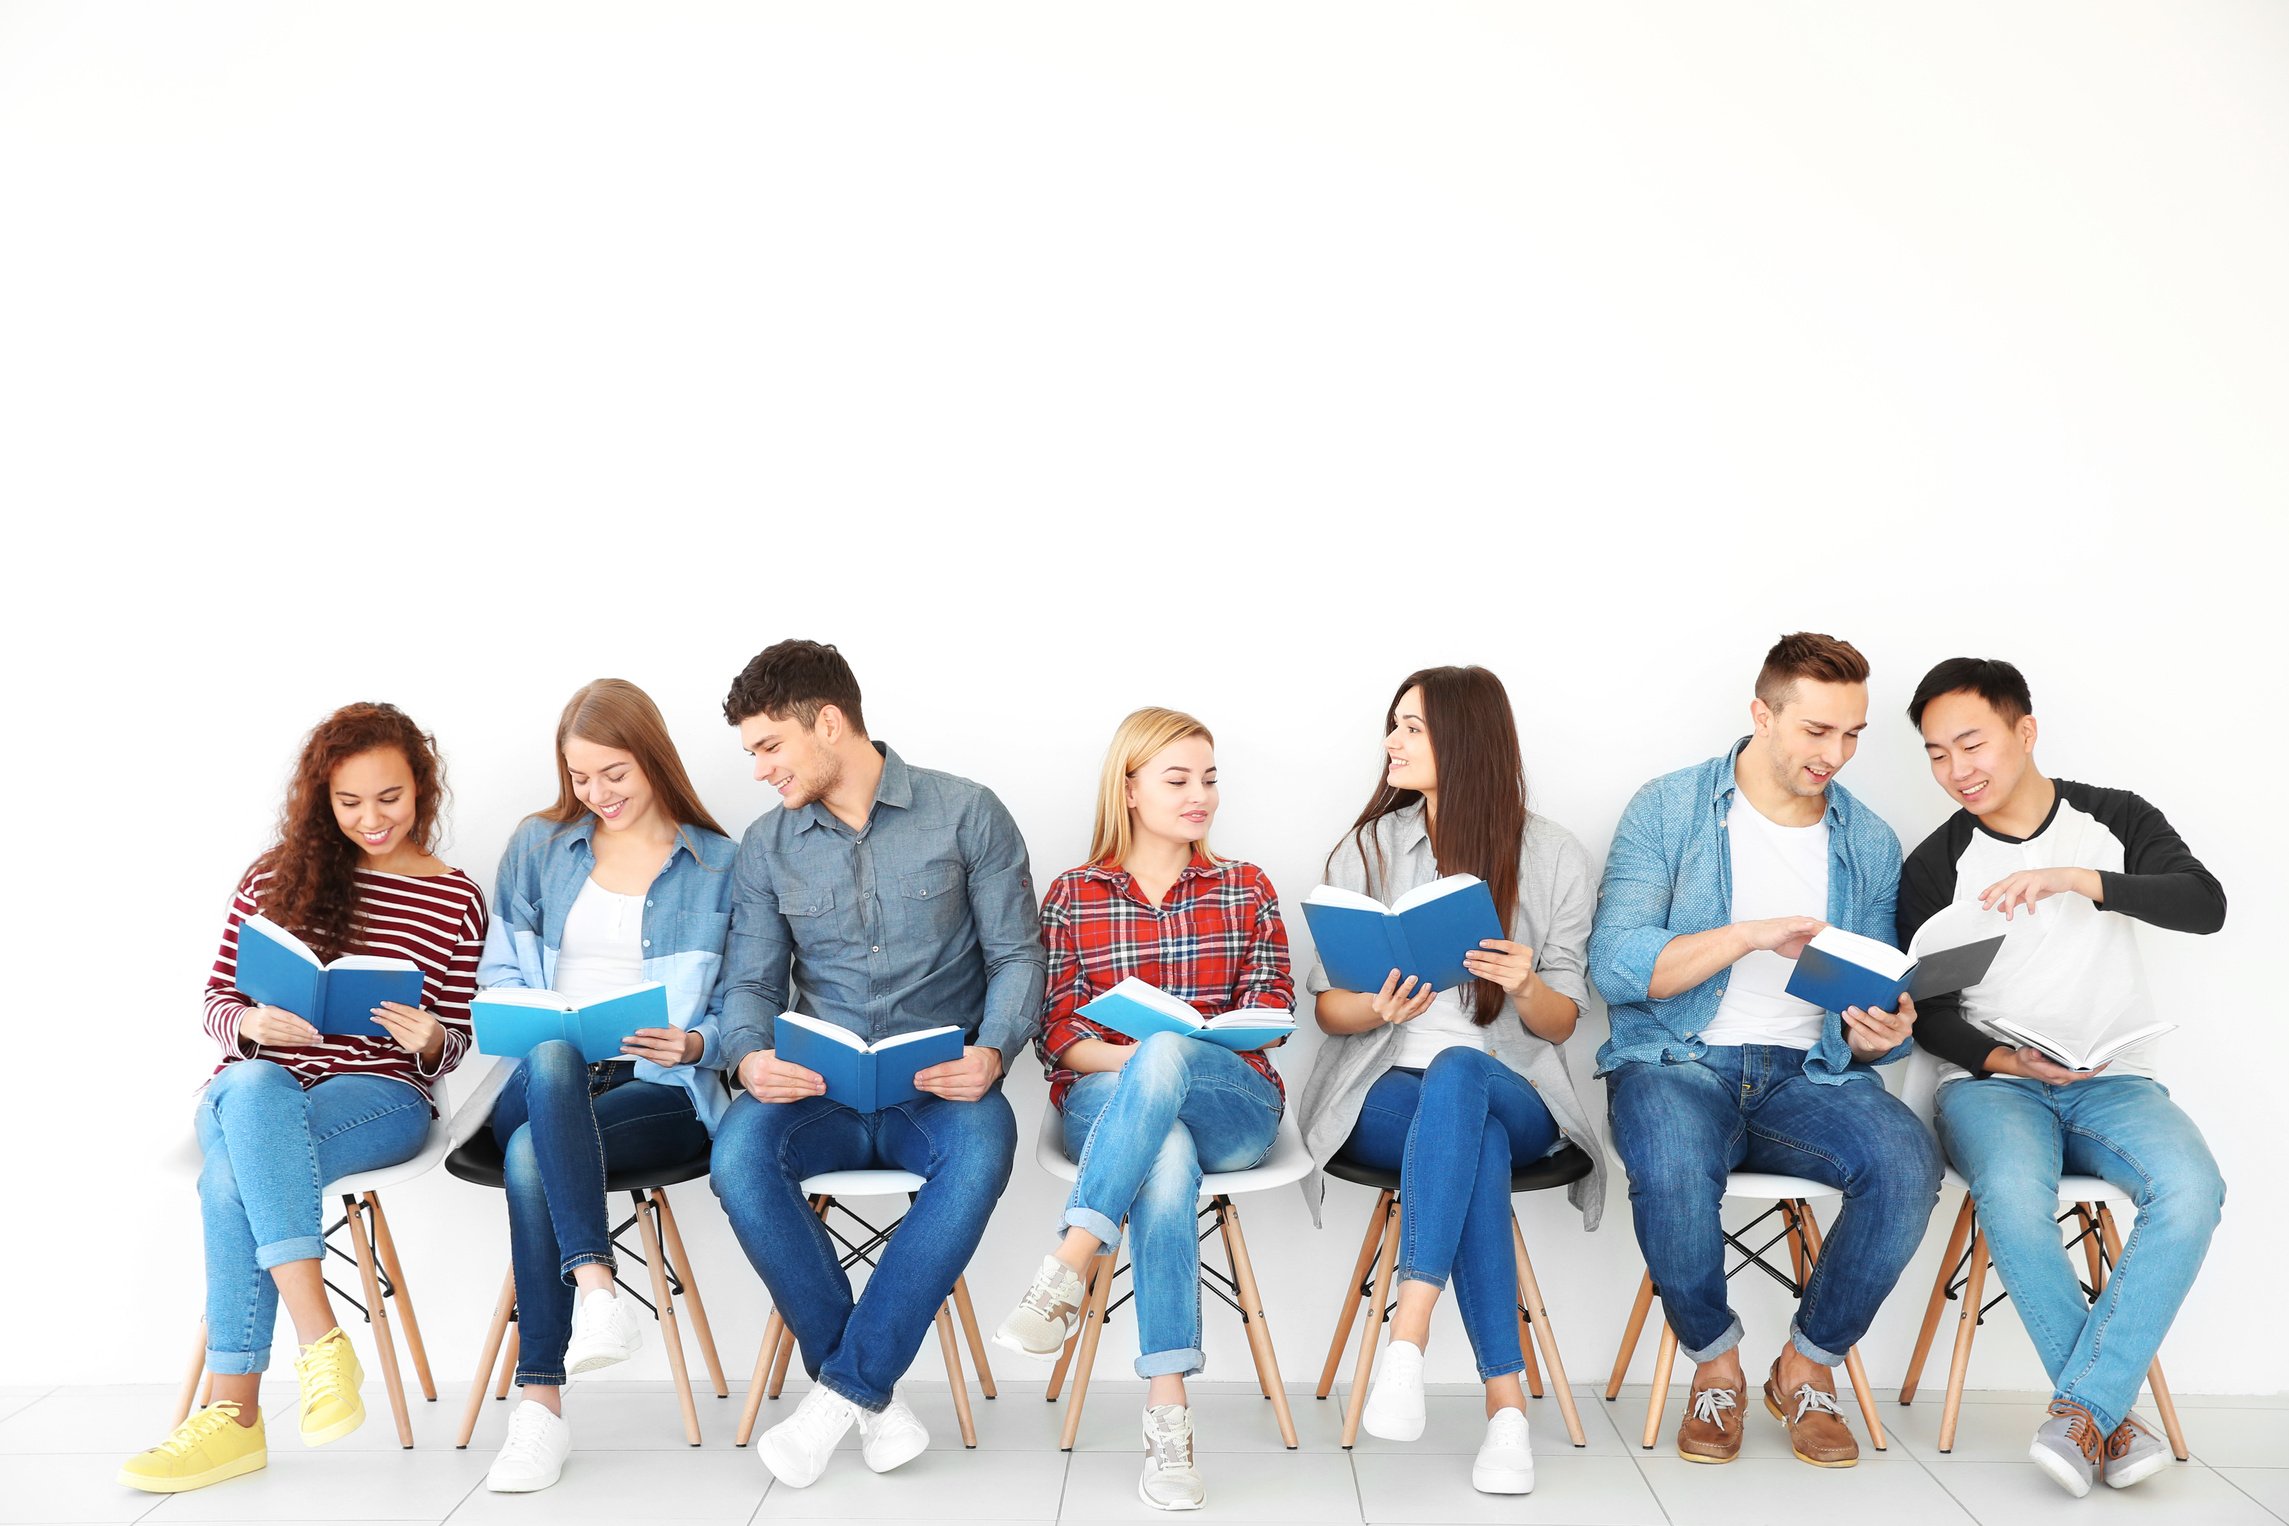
1170 1481
2068 1447
2135 1454
1045 1318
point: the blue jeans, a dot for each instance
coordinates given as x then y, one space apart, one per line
2012 1138
1142 1136
561 1126
1452 1131
1679 1128
763 1150
269 1149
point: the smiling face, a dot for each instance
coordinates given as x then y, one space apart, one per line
1173 794
374 802
609 782
1813 734
1408 760
1977 756
796 760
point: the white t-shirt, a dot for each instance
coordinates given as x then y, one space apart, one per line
1777 872
603 948
1445 1024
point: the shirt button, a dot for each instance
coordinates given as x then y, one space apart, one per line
647 903
647 943
878 948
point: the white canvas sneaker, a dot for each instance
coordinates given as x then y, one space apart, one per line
797 1448
605 1330
533 1455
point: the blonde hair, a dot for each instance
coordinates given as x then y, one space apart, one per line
1142 735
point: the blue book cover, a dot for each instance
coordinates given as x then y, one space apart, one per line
277 969
862 1077
1424 933
1140 1009
1839 969
509 1021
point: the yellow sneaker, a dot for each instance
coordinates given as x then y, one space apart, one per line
329 1373
206 1448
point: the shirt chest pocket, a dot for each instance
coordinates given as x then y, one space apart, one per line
931 901
701 932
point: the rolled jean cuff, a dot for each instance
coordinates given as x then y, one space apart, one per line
873 1406
1411 1274
2107 1424
1106 1231
1717 1347
237 1364
1501 1370
1797 1338
527 1379
1160 1364
279 1252
585 1258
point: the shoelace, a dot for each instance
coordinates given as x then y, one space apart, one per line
1042 1297
1171 1440
2124 1437
319 1368
1809 1399
1709 1406
819 1413
2081 1429
199 1427
526 1429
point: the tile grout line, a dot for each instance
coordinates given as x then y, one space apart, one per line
2235 1485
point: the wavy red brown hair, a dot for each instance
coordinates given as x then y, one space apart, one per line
312 888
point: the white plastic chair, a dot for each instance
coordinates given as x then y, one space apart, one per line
828 1191
1286 1165
2087 1200
373 1251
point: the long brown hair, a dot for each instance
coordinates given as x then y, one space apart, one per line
312 890
612 712
1482 792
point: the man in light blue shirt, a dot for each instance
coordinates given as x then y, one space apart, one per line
894 899
1719 875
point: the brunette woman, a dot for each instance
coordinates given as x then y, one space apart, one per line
1452 1088
1143 1121
289 1109
625 879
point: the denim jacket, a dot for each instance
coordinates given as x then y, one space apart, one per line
687 919
1670 874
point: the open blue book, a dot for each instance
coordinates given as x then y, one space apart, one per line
1141 1009
1424 933
277 969
1839 969
863 1077
511 1020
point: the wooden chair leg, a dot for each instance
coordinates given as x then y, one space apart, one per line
1956 1240
782 1357
495 1334
2086 1220
509 1362
369 1273
1092 1329
1966 1329
206 1390
954 1380
1664 1358
1353 1294
1222 1208
191 1379
1371 1327
755 1385
680 1259
386 1248
2154 1379
1057 1373
1539 1322
976 1339
647 1220
1259 1324
1854 1368
1526 1349
1629 1335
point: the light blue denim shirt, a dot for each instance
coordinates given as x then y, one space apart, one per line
687 919
924 916
1670 874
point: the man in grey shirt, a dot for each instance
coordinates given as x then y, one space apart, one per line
895 899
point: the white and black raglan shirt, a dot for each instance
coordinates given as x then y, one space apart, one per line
2072 967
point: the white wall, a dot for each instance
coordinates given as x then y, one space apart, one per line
1057 361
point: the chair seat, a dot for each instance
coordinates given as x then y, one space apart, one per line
1562 1169
1771 1184
871 1183
479 1160
1285 1165
2072 1189
424 1160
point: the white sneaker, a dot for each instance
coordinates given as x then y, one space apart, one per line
533 1455
1044 1320
1170 1480
604 1331
893 1438
797 1448
1395 1404
1505 1462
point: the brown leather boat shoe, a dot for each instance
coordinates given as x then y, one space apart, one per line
1711 1431
1816 1429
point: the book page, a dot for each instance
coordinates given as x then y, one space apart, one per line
281 937
842 1036
1336 895
1145 994
897 1039
1867 953
524 996
1423 895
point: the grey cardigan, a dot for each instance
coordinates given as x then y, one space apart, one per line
1556 899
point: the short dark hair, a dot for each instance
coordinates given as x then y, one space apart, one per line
1807 654
797 678
2003 687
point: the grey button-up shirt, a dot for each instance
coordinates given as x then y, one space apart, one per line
923 917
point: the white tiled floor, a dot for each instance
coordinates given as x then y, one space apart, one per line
60 1448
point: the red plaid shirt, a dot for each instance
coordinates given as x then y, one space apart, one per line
1216 942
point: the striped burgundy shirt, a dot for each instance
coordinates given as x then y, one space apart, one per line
438 922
